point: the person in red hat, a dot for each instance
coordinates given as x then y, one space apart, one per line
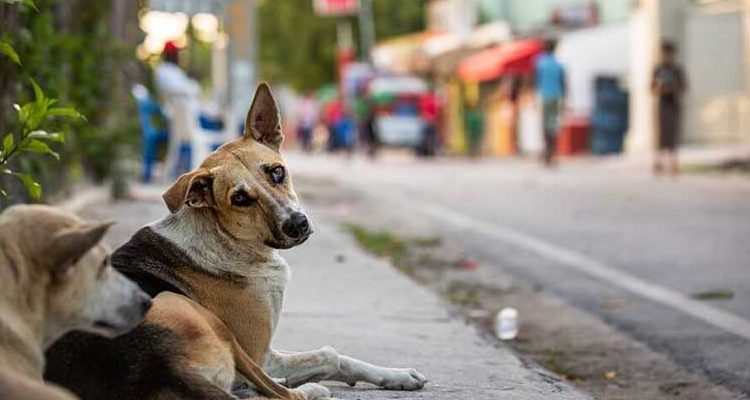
170 78
171 53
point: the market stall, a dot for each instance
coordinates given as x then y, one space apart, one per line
501 70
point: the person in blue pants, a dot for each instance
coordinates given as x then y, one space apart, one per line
551 87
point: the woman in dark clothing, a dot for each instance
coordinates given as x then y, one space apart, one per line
668 84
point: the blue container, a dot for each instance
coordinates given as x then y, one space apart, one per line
210 123
609 122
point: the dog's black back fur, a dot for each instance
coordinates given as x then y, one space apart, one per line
134 366
152 261
143 362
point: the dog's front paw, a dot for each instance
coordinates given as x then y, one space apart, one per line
312 391
403 379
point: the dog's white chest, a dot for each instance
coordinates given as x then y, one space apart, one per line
269 289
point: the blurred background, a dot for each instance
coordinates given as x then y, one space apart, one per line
583 162
438 78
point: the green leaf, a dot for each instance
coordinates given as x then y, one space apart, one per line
7 49
34 188
57 137
30 3
6 171
38 94
27 3
33 114
3 193
68 112
37 146
52 137
7 143
24 112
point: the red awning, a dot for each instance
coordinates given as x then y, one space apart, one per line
514 57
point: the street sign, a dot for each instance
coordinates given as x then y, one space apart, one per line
329 8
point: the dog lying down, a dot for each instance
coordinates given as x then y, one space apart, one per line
214 268
55 277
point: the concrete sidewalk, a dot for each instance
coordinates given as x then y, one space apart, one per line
342 297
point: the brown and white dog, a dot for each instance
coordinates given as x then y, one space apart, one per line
55 277
215 255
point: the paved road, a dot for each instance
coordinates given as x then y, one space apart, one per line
590 232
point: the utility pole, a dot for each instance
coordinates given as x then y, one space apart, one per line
746 30
254 41
366 29
242 54
645 36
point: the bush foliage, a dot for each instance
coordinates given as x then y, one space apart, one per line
67 47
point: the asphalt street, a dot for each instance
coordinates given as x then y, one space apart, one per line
591 232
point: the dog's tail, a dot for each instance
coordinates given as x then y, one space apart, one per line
257 376
244 363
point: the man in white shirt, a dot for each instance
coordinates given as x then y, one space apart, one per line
179 97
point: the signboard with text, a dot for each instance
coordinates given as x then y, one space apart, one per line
331 8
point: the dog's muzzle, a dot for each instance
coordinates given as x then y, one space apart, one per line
127 316
296 226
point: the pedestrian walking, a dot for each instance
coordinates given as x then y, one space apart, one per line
551 87
333 113
668 84
308 120
428 111
369 129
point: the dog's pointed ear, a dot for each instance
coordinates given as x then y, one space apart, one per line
70 244
194 189
263 122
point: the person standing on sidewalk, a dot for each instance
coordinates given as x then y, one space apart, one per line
428 111
308 120
550 83
179 96
668 84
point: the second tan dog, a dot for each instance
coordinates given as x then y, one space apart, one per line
55 277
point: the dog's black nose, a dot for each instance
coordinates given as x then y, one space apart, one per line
296 226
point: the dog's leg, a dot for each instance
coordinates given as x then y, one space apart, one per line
352 371
297 368
327 364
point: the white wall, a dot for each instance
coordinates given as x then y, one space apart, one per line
589 53
716 106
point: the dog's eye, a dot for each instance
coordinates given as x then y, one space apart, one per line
277 174
241 199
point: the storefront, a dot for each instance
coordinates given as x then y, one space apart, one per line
495 80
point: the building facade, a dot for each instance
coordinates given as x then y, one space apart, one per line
713 38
